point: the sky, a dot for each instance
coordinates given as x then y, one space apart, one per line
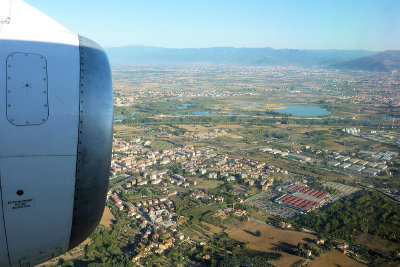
299 24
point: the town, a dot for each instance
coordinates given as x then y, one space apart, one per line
170 173
212 163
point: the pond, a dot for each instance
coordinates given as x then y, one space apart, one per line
203 113
182 106
235 113
248 105
304 111
119 117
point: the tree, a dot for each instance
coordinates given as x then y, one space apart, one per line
61 261
245 245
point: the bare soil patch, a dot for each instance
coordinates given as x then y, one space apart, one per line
271 240
213 228
193 128
126 131
230 126
108 218
121 127
335 258
234 136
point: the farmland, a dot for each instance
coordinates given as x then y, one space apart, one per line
271 240
334 259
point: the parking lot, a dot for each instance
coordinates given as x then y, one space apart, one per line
265 201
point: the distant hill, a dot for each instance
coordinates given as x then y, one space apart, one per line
387 61
229 55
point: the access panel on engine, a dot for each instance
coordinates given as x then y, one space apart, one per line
27 90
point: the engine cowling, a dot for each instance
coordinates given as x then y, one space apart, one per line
55 136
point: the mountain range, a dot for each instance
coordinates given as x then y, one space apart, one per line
340 59
387 61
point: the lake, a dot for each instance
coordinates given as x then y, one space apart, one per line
304 111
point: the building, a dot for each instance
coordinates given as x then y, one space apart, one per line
213 175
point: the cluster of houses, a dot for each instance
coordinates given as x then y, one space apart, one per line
154 216
228 167
205 134
224 213
136 157
352 131
130 158
124 99
199 194
116 199
157 213
146 211
373 99
159 177
156 240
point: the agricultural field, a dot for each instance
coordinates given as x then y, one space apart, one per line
208 184
335 258
271 240
378 243
126 131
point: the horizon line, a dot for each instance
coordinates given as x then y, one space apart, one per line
244 47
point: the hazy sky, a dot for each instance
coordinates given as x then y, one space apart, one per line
319 24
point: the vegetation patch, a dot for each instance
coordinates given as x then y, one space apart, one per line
376 242
249 258
365 212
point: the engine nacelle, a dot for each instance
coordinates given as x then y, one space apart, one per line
56 115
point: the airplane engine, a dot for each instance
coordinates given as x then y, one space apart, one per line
56 115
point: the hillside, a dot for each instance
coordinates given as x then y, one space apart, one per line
387 61
229 55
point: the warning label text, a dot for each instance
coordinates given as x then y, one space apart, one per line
20 204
